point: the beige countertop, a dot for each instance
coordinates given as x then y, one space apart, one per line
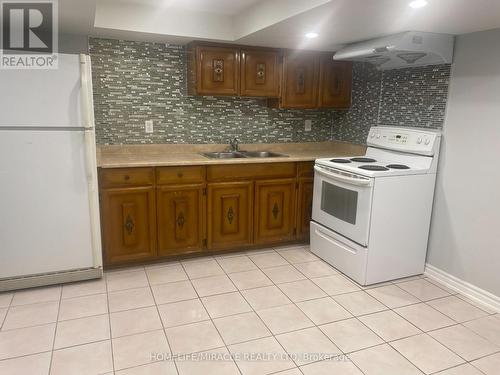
118 156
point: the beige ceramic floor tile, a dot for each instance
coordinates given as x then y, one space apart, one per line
131 322
5 299
84 288
82 331
350 335
464 342
208 286
283 319
488 327
423 290
267 260
308 345
202 268
37 364
489 365
36 295
126 280
424 317
389 325
393 296
80 307
225 304
294 256
130 299
250 279
302 290
465 369
241 327
89 359
479 305
335 284
273 357
206 366
426 353
236 264
331 367
383 360
167 274
323 310
457 309
359 303
266 297
194 337
184 312
283 274
31 315
135 350
155 368
173 292
316 269
3 314
26 341
293 371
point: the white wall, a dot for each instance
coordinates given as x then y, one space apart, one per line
465 230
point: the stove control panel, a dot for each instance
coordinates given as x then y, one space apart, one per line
411 140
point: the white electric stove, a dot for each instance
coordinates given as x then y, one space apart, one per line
371 213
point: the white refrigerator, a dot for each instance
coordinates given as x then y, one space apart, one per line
49 208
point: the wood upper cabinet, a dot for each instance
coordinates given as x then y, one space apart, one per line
180 212
304 206
230 212
129 224
300 80
213 70
260 72
335 82
274 210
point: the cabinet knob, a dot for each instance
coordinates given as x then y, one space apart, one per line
180 174
127 177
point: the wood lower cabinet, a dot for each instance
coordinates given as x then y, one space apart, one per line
180 212
274 210
230 213
129 224
304 206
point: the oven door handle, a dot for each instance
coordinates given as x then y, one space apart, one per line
360 181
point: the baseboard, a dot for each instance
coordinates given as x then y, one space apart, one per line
50 279
463 287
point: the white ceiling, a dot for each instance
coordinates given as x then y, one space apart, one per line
275 23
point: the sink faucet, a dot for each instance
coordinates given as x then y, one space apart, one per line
233 144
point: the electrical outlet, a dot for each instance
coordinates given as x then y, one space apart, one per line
308 125
149 126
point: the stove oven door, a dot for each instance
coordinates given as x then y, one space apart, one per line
342 202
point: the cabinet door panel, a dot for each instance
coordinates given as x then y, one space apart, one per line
304 207
128 221
260 75
180 219
335 83
274 210
217 70
300 80
230 214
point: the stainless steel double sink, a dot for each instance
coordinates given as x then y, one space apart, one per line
242 154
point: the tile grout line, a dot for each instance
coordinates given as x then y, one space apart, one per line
55 332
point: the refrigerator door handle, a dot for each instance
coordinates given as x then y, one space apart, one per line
87 104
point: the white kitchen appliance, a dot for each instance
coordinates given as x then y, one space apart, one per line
49 222
371 213
403 50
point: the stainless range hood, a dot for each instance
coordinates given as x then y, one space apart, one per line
404 50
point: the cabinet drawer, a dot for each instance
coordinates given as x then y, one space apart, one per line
180 175
118 177
250 171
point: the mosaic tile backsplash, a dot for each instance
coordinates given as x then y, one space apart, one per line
137 81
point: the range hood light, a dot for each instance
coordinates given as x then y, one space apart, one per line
418 4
